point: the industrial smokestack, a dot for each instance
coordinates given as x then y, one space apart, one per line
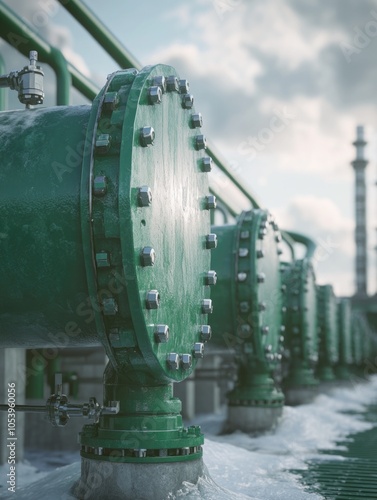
359 165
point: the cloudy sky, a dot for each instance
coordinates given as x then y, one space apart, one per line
281 84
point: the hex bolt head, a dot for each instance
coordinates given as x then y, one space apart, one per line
260 254
161 333
155 95
172 360
244 307
198 350
278 237
183 86
283 309
103 143
110 307
172 84
265 330
160 81
207 307
281 338
243 252
283 288
280 251
147 136
241 277
200 142
244 235
261 278
268 348
282 328
262 233
186 361
205 333
187 101
153 299
148 256
210 278
211 241
196 120
262 306
110 101
210 202
144 196
245 330
206 164
102 259
100 185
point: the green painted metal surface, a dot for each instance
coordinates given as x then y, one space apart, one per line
301 338
248 298
342 370
72 270
328 344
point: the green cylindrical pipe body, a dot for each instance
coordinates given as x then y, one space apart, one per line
43 287
328 352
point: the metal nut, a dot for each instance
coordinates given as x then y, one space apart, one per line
155 95
148 256
262 306
198 350
261 278
147 136
278 237
241 277
197 120
186 361
153 299
206 164
110 307
200 142
244 235
172 360
210 202
205 333
102 259
265 330
211 241
110 101
268 348
103 143
144 196
243 252
160 81
161 333
172 83
244 307
260 254
100 185
187 101
207 307
211 278
183 86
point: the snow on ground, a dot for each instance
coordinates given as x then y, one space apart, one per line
239 466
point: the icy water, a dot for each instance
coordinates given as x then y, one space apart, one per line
239 466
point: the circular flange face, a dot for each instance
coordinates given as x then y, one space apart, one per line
151 220
301 336
259 292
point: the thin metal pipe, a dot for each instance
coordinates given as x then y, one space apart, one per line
2 91
305 240
27 408
95 27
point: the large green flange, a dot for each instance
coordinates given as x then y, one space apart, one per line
248 297
301 340
328 348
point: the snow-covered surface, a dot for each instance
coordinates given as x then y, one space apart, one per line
239 466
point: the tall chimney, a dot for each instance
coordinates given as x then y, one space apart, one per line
359 165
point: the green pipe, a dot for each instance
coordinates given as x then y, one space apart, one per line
2 90
13 29
101 33
305 240
290 242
